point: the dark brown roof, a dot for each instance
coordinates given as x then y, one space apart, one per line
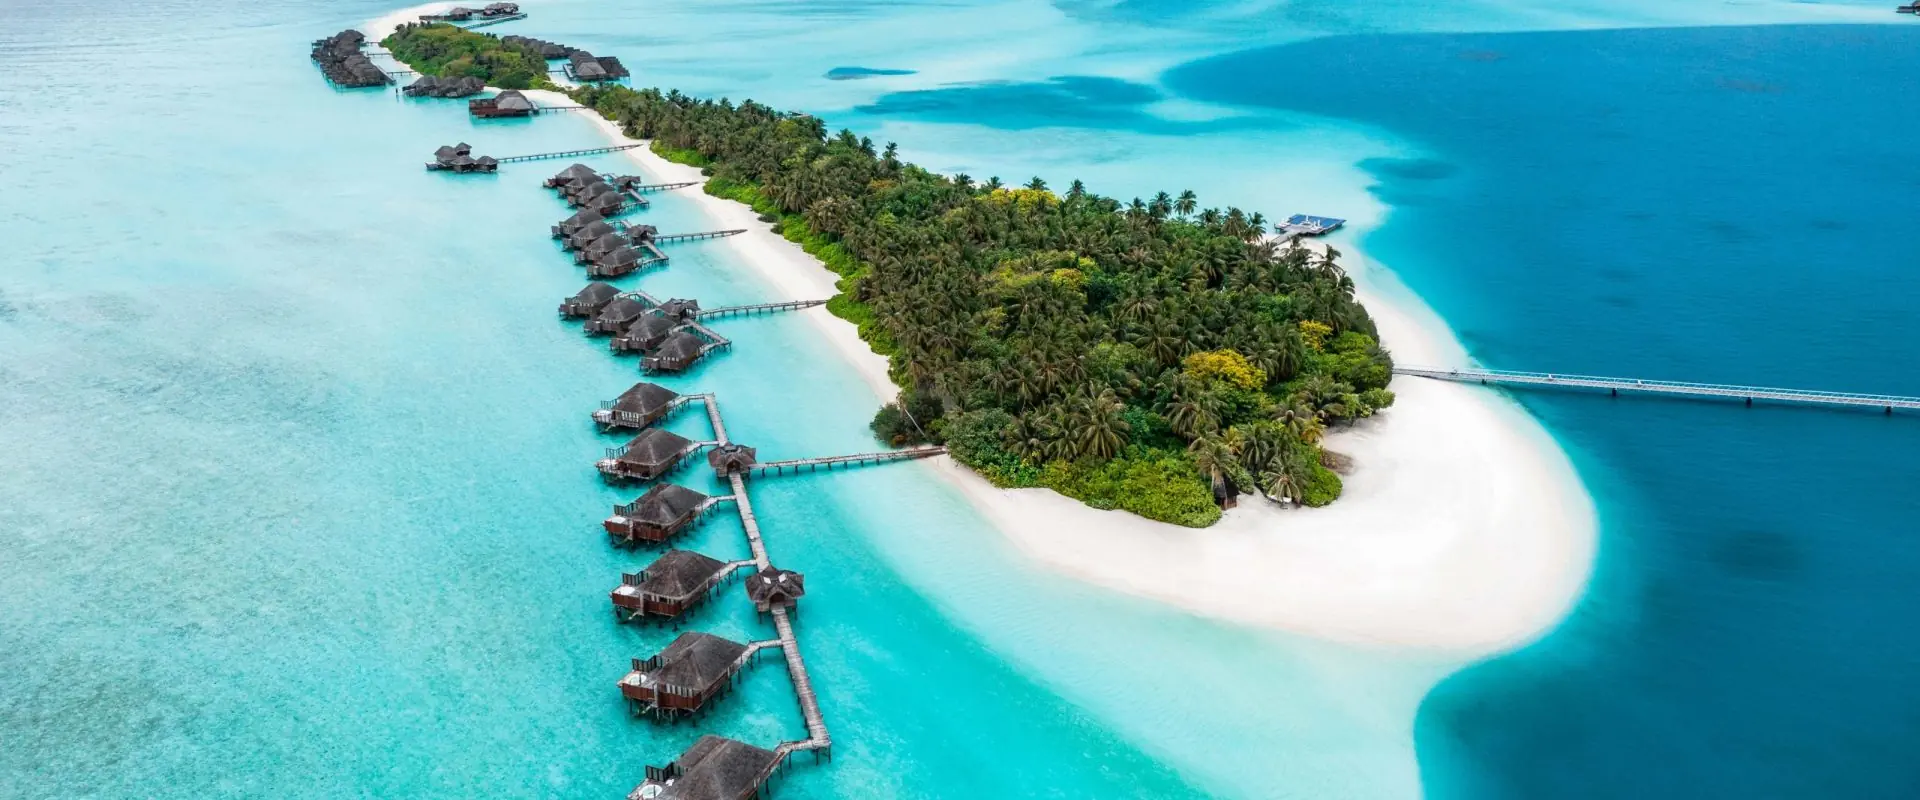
651 326
622 310
596 293
717 768
665 503
696 661
730 457
653 447
679 573
775 586
645 398
682 345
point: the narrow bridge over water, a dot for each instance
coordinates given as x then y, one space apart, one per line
1615 386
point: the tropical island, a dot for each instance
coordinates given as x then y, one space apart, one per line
1149 356
440 50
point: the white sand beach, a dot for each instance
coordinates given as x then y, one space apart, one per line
1463 527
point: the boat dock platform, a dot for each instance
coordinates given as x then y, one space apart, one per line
1307 225
1615 386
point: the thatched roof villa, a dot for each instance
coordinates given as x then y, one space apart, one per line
588 301
638 407
617 315
665 510
672 585
580 219
646 333
773 588
653 453
730 458
714 768
677 353
617 262
683 678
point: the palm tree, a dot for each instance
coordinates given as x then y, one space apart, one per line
1099 430
1037 184
1212 456
993 183
1076 190
1185 205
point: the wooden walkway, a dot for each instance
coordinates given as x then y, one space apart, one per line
591 151
492 21
728 311
688 237
1615 386
855 460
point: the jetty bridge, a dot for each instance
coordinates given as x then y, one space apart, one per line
1615 386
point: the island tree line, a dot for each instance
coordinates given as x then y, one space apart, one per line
1149 355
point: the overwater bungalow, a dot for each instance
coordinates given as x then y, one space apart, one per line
730 458
585 67
653 453
681 309
580 219
341 61
672 585
773 588
588 301
599 248
608 204
455 14
458 158
500 10
646 333
638 407
589 190
586 234
509 103
618 262
547 50
714 768
617 314
431 86
568 174
665 510
677 353
683 678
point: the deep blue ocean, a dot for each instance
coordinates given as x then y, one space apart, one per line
295 479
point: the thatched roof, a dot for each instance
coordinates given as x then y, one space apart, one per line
680 308
463 148
580 219
664 504
654 447
609 203
679 573
619 258
589 71
445 153
652 326
731 457
696 661
679 347
589 232
597 293
605 243
622 310
512 100
641 233
575 171
645 398
774 587
717 768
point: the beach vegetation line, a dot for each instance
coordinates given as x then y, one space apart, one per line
449 51
1150 355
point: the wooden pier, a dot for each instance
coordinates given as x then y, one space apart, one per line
855 460
591 151
1615 386
493 21
728 311
688 237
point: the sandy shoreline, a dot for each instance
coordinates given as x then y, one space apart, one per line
1463 528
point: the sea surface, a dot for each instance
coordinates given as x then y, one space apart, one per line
296 491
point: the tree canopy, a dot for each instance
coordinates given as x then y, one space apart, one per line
1132 354
450 51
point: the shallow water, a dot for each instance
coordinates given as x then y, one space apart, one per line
298 482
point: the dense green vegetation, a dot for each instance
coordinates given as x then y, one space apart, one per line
1131 355
449 51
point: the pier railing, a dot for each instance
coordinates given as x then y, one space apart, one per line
728 311
1680 388
857 459
591 151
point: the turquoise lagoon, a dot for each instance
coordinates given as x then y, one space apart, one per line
297 492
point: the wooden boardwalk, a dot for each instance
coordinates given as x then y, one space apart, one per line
492 21
1615 386
688 237
855 460
728 311
591 151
